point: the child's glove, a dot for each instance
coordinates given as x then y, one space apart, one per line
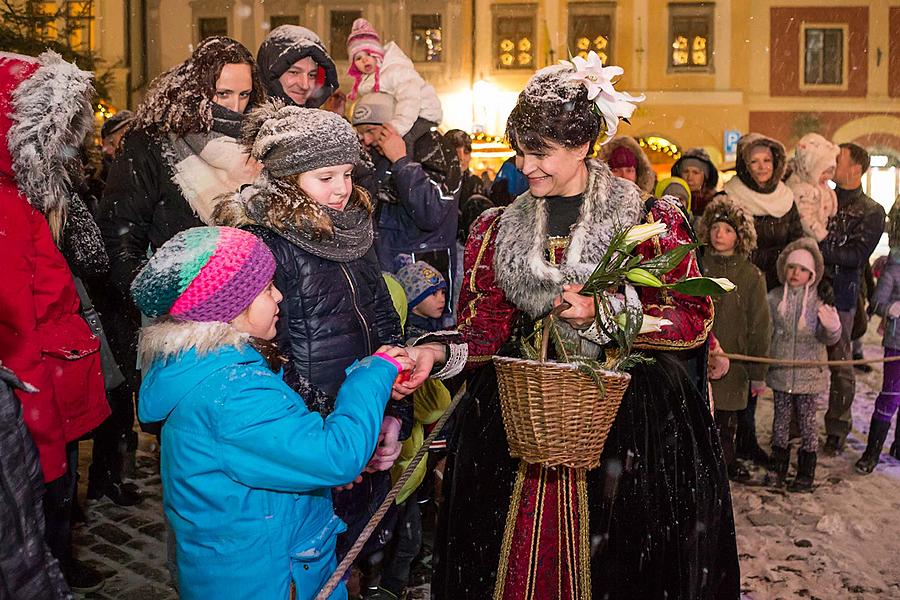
757 388
829 318
894 310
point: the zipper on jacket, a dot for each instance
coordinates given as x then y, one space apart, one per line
353 299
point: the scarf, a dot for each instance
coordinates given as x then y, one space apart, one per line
774 204
352 233
207 165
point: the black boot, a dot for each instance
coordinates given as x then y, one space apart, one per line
878 431
103 482
806 472
778 467
746 444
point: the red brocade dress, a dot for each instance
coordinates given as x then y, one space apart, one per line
661 523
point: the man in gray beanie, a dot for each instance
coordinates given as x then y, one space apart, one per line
417 194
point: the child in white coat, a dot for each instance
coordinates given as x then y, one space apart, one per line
385 68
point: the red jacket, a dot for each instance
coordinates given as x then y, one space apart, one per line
43 337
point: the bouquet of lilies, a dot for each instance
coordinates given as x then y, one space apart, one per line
618 313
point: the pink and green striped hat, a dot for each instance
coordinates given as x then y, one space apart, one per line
204 274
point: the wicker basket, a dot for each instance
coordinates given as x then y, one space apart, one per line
555 415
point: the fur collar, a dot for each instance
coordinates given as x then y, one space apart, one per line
523 273
166 338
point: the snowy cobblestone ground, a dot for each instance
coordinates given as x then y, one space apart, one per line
838 542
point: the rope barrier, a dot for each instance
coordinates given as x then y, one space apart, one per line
807 363
354 551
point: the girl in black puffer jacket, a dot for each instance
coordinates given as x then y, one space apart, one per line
336 306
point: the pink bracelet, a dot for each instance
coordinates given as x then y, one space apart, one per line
390 359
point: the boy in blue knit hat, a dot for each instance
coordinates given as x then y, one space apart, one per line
426 295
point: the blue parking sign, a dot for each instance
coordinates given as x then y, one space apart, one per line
729 146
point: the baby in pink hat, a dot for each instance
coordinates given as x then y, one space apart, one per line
385 68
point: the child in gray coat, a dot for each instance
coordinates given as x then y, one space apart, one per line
803 325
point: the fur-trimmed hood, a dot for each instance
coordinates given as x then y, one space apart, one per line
742 166
813 156
723 208
45 114
712 173
285 45
804 243
167 338
646 176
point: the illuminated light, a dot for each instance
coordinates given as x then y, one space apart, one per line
507 45
878 160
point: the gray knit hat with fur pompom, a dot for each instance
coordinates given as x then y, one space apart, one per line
289 140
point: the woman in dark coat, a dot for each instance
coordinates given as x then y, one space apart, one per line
757 187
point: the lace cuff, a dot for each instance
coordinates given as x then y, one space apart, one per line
457 351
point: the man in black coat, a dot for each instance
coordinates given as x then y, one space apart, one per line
852 236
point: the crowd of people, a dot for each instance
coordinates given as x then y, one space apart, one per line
287 296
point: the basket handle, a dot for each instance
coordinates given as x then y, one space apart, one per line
546 327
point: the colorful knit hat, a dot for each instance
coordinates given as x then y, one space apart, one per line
364 38
419 281
204 274
622 157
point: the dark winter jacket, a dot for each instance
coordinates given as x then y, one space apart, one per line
27 569
332 313
772 235
418 203
742 325
284 46
852 236
142 207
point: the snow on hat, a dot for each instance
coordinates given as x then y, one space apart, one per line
204 274
116 122
292 139
374 109
622 157
363 38
419 281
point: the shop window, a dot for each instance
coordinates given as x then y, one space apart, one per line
514 36
427 38
341 25
690 37
278 20
590 28
210 26
823 55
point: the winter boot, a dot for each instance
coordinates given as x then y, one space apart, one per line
878 431
103 482
746 444
806 472
778 467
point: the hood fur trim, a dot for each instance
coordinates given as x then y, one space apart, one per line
746 231
742 166
167 337
523 272
804 243
646 176
712 173
51 117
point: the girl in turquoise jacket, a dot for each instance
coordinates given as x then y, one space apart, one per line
247 470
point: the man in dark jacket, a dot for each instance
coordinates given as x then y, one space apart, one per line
852 236
295 66
28 570
417 200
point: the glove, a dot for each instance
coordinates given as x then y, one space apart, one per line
828 317
757 387
388 448
893 310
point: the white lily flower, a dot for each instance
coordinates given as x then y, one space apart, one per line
598 80
724 283
653 324
641 233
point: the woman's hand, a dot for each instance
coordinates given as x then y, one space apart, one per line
580 313
425 358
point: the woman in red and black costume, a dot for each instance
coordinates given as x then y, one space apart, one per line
661 522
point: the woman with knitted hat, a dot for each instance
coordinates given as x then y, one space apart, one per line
247 469
386 68
742 323
802 326
625 157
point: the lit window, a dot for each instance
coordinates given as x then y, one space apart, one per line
690 33
341 26
426 38
80 25
823 56
212 26
513 42
590 29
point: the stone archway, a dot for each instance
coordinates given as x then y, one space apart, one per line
871 131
